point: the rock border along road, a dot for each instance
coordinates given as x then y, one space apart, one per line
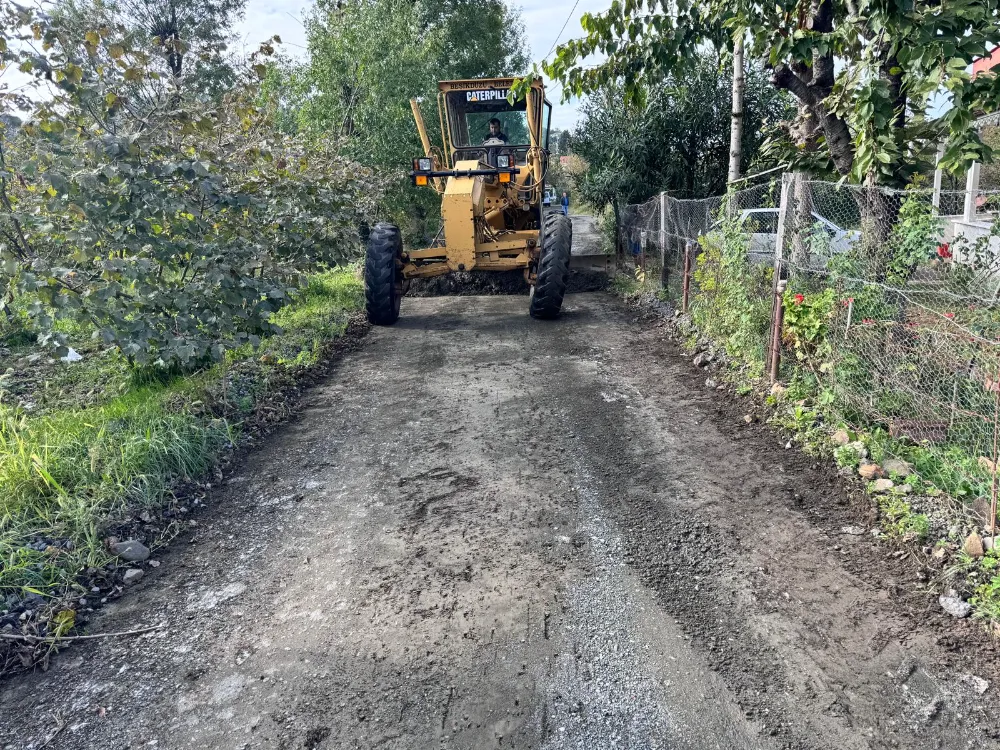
486 531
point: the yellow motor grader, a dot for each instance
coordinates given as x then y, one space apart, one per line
490 173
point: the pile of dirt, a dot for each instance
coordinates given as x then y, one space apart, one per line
587 280
480 283
470 284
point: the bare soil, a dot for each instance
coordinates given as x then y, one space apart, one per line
485 531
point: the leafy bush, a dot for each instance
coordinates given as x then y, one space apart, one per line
805 326
733 303
171 225
847 456
986 600
915 235
900 520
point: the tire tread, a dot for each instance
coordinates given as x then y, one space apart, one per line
385 247
553 267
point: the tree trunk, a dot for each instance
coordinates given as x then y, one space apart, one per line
690 156
811 85
736 127
879 214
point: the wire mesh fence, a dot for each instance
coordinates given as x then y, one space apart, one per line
657 232
891 312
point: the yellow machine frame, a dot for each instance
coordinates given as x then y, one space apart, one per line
473 206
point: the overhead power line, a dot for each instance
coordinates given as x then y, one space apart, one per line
559 35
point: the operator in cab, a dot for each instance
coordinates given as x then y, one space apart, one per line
495 131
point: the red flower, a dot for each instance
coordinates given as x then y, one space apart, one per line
847 302
944 251
950 316
868 321
799 299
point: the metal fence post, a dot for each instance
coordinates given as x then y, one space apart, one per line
685 295
664 273
776 323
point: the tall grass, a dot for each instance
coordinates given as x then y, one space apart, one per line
67 475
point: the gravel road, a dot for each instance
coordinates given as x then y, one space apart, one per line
485 531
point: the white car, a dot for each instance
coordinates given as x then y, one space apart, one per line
764 234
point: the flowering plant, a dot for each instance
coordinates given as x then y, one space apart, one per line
805 323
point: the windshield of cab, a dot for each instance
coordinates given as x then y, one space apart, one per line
470 112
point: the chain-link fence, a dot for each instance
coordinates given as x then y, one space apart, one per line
891 313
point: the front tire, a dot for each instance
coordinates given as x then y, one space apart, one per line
553 268
384 275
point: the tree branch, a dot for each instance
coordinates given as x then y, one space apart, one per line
838 135
784 77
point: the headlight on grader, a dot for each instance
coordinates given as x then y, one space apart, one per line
503 161
423 164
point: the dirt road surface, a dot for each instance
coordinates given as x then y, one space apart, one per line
486 531
586 235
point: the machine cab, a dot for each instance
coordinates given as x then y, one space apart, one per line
468 107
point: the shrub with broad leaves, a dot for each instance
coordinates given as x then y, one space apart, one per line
171 224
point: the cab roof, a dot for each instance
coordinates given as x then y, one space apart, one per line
472 84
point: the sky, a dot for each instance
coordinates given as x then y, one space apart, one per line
543 20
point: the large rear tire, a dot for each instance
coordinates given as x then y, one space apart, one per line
383 274
553 268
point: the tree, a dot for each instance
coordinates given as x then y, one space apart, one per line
478 38
605 139
736 129
172 233
682 129
564 142
368 58
869 121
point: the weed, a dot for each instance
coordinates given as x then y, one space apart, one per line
900 520
847 456
733 305
986 601
624 285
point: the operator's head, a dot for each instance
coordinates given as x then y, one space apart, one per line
495 127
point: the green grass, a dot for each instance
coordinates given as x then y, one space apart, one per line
319 314
67 473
